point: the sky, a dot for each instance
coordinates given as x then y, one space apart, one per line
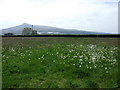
89 15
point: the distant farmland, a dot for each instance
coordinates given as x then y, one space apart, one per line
59 62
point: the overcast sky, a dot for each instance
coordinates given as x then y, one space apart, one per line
91 15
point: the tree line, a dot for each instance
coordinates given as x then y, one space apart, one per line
25 31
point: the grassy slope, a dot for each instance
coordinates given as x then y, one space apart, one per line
47 62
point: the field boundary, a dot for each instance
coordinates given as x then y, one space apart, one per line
112 36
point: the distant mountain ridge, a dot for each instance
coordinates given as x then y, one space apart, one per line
17 30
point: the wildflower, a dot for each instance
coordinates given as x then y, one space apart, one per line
81 60
80 56
42 56
105 68
114 60
95 66
90 67
93 58
74 56
89 62
111 51
106 71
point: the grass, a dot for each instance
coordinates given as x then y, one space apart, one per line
59 62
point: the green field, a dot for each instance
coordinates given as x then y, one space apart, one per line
59 62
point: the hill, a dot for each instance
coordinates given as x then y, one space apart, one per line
17 30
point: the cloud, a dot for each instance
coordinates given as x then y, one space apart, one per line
96 15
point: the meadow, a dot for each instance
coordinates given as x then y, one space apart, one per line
59 62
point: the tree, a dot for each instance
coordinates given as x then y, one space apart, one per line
8 34
34 32
27 31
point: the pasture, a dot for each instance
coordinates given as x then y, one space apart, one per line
59 62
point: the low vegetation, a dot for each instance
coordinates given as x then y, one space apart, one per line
59 62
